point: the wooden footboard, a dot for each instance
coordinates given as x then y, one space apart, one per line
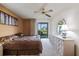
7 52
22 48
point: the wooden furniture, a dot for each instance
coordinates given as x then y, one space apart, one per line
1 49
62 46
9 27
22 48
20 44
29 26
69 47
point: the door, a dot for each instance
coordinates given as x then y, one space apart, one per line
43 29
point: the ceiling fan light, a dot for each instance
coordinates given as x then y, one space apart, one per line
43 9
43 12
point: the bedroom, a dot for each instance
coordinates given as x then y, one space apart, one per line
24 19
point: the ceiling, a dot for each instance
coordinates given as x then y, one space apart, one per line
26 10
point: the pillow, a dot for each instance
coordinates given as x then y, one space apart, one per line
13 37
19 34
3 39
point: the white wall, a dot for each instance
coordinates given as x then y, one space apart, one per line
43 19
71 15
72 18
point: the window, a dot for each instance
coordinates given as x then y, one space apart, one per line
10 19
7 19
2 18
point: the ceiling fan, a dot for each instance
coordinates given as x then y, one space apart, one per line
44 11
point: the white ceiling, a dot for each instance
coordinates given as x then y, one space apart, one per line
25 10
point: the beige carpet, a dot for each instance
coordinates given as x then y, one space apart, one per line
47 48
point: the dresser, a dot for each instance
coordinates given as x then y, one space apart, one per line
69 47
62 46
65 47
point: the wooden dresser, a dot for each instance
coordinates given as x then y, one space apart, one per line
1 48
69 47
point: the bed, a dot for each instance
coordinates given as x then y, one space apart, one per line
26 45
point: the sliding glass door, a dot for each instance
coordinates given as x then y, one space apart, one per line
43 29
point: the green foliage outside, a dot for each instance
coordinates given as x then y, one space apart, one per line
43 33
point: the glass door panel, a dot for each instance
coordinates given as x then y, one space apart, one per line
43 30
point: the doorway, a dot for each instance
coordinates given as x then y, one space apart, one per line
43 29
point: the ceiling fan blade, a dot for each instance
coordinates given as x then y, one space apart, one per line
36 11
41 9
47 15
48 11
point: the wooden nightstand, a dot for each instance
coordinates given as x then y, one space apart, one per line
1 48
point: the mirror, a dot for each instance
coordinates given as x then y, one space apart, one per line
61 28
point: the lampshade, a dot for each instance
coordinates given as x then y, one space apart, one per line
64 27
